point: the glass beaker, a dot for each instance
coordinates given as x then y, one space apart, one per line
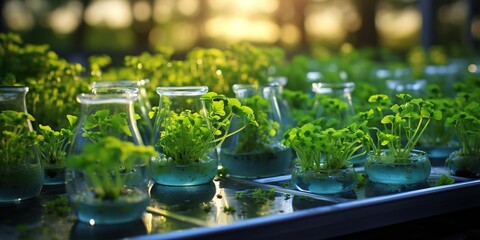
333 102
286 114
141 105
257 151
21 173
183 138
103 185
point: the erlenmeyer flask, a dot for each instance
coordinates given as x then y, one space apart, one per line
107 188
257 151
21 174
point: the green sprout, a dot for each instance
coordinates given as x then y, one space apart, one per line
321 149
102 123
402 124
258 136
262 196
16 139
59 207
229 210
466 123
444 180
53 147
108 162
53 82
188 136
438 133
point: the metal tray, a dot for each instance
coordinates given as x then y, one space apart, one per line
251 209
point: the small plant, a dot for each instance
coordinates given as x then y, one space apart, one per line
466 123
53 82
444 180
402 124
229 210
102 123
108 162
438 133
53 147
186 137
262 196
258 136
258 195
325 149
299 102
16 139
58 208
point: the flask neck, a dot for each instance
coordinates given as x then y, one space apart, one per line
13 98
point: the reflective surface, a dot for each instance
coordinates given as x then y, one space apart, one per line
228 205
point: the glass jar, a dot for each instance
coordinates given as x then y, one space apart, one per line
324 181
183 138
278 83
390 169
142 106
21 173
464 165
108 189
257 151
333 101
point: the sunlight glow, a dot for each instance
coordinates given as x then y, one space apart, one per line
188 7
163 10
142 11
111 13
239 28
398 23
17 16
67 18
290 34
326 23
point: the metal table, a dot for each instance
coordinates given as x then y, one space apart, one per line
238 209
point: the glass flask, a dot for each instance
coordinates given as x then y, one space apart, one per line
21 173
324 181
257 152
283 106
387 168
333 101
183 138
141 106
108 189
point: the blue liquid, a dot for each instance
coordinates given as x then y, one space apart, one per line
416 170
256 164
125 209
166 172
327 182
20 182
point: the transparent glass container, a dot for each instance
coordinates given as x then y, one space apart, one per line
183 137
325 181
333 101
257 152
464 165
21 173
283 106
389 169
141 106
102 116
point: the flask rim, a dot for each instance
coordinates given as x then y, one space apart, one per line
182 91
105 98
19 89
121 83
